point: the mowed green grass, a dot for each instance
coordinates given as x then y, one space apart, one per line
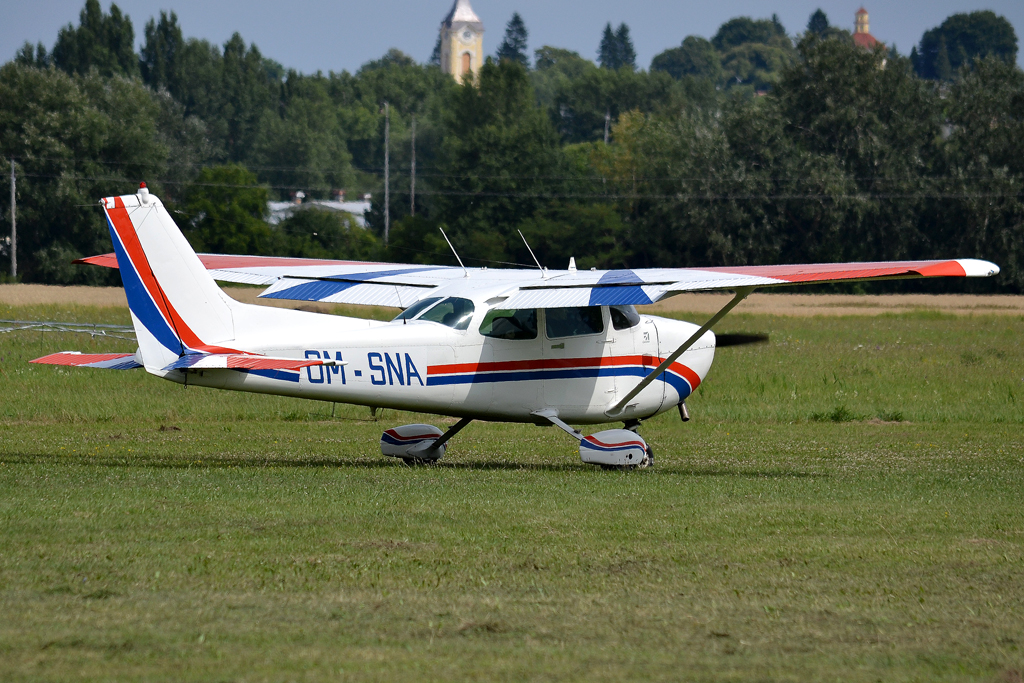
847 504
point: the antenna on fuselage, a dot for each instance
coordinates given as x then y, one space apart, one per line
542 271
455 252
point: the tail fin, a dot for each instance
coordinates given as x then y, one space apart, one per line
176 306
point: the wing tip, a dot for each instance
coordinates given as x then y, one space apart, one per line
978 267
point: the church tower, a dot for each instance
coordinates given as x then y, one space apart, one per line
862 30
462 42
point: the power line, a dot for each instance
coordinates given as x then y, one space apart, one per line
505 176
632 196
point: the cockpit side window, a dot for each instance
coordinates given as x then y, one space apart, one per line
417 308
573 322
506 324
452 312
624 317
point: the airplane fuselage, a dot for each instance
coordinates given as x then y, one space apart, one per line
425 366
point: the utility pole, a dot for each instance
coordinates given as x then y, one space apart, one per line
387 172
14 226
412 185
607 123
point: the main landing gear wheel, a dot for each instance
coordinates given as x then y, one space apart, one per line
648 461
418 444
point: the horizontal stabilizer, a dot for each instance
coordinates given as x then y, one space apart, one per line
105 361
238 361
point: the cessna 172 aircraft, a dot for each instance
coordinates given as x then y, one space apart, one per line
539 346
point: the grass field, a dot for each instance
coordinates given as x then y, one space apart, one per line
847 504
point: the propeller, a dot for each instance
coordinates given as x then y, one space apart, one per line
740 339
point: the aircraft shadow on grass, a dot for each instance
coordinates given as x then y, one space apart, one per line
254 462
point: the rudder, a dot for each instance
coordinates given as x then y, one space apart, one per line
176 306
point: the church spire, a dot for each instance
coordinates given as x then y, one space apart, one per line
462 42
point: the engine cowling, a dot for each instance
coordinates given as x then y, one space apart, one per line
615 448
412 442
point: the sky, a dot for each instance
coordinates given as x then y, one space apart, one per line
317 35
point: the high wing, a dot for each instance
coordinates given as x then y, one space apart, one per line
400 285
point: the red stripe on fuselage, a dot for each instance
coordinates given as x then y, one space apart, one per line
564 363
122 223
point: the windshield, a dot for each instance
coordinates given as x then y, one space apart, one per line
506 324
624 317
452 312
417 308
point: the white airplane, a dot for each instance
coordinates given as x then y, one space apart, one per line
534 346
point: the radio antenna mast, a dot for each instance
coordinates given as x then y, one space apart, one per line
454 252
542 271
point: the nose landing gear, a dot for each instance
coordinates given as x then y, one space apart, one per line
611 448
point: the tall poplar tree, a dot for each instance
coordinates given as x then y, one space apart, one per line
103 41
513 47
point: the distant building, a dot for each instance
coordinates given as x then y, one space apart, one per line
462 42
279 211
862 31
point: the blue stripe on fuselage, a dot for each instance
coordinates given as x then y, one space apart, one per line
681 386
286 375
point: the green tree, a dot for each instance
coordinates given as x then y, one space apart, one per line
499 159
159 61
627 55
223 210
743 30
229 90
75 139
555 69
105 42
754 52
818 23
435 55
756 65
30 55
616 49
513 46
695 57
878 125
977 208
318 233
608 50
302 145
581 104
963 38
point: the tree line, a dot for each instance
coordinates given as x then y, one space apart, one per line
756 146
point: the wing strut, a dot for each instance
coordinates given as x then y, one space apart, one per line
426 447
741 294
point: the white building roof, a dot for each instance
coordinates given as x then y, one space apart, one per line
278 211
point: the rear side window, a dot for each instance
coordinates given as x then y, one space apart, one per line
452 312
573 322
624 317
505 324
